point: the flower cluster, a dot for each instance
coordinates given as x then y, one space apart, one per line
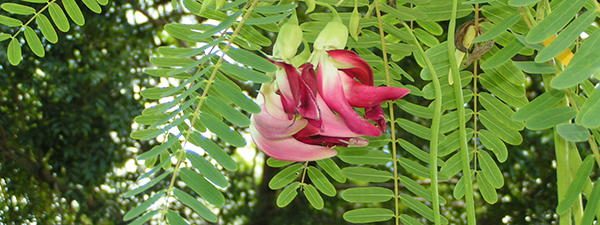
309 110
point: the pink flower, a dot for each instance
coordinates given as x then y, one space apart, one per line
306 113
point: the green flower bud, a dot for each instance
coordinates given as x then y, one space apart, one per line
354 24
288 39
333 36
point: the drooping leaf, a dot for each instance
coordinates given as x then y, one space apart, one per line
46 28
34 42
321 182
313 197
575 188
572 132
487 191
14 52
194 204
285 176
490 170
288 194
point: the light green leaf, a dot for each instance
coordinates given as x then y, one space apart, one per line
285 176
414 128
277 163
102 2
173 62
313 197
93 5
519 3
584 64
417 189
271 19
146 185
367 194
237 98
280 8
222 130
499 28
59 17
141 208
487 191
14 52
490 170
18 9
368 215
251 59
36 1
566 37
332 169
154 93
593 205
550 117
244 74
199 184
10 22
364 156
493 143
34 42
503 55
588 115
46 28
451 167
409 220
573 132
560 16
535 68
143 219
4 36
413 167
419 207
196 205
576 187
500 128
175 219
156 150
181 52
74 12
232 115
207 169
320 181
214 151
547 100
459 189
288 194
366 174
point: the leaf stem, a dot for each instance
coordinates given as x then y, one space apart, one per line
435 126
458 95
181 152
388 80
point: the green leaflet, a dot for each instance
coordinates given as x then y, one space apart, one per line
498 29
320 181
285 176
10 22
17 9
195 205
535 68
487 191
229 113
4 37
576 187
413 167
34 42
277 163
409 220
367 194
550 117
490 170
288 194
222 130
251 59
59 17
560 16
313 197
593 205
364 156
208 170
158 149
147 185
573 132
368 215
93 5
501 129
366 174
519 3
74 12
420 208
547 100
214 151
566 37
584 64
587 116
142 207
237 98
14 52
146 134
493 143
174 218
503 55
418 189
46 28
143 219
202 187
332 169
244 74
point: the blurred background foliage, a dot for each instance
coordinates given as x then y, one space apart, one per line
66 155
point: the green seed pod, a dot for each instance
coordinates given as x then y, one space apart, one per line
354 24
333 36
288 39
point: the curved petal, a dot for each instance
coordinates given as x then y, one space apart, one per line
290 149
330 88
274 128
308 106
288 81
335 141
357 67
361 95
375 113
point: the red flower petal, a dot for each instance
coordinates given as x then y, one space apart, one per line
359 68
360 95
